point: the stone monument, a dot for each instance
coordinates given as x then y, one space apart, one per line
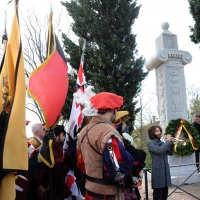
169 64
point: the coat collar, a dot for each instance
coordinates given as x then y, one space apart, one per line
97 119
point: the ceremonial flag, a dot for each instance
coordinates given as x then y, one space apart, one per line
74 124
76 116
13 141
48 84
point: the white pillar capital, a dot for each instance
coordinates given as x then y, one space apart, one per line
166 54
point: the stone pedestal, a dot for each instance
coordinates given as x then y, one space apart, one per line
180 174
169 64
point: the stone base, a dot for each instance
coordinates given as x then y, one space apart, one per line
178 180
186 163
180 174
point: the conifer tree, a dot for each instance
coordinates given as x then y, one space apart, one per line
195 12
111 61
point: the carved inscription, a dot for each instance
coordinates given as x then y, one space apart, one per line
175 89
161 97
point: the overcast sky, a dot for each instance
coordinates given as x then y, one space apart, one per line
147 27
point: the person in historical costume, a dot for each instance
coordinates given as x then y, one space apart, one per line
75 178
131 191
159 151
100 151
52 180
196 124
39 131
27 184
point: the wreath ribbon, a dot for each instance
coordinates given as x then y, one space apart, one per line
191 139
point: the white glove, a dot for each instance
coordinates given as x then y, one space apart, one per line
135 179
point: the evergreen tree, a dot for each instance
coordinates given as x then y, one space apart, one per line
194 108
193 101
195 12
66 110
110 57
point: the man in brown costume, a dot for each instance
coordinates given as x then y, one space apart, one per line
91 145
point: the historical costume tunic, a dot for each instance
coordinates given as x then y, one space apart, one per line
55 183
98 135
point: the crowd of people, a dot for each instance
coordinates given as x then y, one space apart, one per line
102 159
105 163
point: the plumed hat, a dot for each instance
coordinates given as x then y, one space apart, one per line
106 100
121 117
94 103
59 129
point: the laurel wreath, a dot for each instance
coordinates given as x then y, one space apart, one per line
182 150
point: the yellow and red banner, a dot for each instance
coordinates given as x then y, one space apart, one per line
13 140
48 84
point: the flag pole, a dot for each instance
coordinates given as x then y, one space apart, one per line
50 169
5 35
83 51
51 7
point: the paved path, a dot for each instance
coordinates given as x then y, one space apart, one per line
178 194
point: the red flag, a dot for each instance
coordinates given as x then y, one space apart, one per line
48 84
81 83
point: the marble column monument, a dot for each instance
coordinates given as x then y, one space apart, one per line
169 64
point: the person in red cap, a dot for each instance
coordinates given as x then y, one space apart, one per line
97 143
